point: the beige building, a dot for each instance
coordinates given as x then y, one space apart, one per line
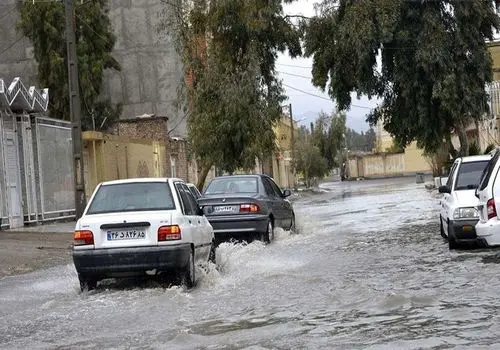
382 163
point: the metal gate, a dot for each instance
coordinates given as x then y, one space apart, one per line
12 174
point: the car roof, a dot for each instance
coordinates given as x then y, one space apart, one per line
140 179
470 159
239 175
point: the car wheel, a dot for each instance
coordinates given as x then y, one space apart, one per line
442 228
293 227
87 283
211 256
452 243
269 235
188 276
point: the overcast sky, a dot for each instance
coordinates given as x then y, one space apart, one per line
296 74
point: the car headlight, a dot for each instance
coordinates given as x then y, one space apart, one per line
466 213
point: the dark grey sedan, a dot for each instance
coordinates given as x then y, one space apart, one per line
246 207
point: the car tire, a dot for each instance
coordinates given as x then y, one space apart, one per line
189 275
268 236
293 227
211 256
87 283
452 243
442 228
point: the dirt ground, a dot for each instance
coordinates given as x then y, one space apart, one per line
28 251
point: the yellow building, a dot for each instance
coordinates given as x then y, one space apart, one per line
282 164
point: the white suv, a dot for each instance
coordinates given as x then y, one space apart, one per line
144 226
488 192
459 215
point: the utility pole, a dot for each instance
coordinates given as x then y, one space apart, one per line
292 144
75 109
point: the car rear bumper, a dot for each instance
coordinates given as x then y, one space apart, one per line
236 225
131 261
489 232
464 230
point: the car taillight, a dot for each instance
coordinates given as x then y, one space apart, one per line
491 208
249 208
83 238
169 233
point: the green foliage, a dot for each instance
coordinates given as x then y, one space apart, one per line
364 142
490 148
308 160
329 136
229 49
44 24
395 148
474 149
435 61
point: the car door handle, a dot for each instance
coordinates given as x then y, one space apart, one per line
189 221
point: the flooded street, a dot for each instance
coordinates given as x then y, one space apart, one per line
368 270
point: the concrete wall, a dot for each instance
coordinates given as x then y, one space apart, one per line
151 69
388 164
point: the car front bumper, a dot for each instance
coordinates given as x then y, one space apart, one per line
131 261
238 225
488 233
464 230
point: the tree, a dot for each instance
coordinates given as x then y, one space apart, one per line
229 49
44 24
308 160
434 55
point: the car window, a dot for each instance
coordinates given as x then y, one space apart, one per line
194 191
276 188
488 170
449 183
240 184
469 175
192 200
184 194
268 187
133 196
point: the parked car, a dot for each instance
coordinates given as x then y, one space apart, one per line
488 192
194 190
459 214
140 227
246 207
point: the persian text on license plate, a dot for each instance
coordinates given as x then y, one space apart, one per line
226 209
126 234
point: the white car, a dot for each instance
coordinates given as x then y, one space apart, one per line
459 214
135 227
488 192
194 190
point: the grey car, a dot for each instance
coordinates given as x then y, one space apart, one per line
246 207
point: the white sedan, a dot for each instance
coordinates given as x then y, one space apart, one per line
135 227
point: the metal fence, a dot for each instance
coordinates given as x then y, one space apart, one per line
55 174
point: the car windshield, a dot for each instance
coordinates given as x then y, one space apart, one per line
232 185
134 196
469 175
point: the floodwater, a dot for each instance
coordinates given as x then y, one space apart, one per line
367 270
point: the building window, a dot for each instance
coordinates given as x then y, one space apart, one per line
173 167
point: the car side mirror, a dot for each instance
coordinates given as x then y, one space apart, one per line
444 189
287 193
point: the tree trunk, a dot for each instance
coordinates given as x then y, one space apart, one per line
451 149
203 176
464 141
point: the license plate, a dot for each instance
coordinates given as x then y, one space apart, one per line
226 209
126 234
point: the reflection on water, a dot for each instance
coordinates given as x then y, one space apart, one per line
368 270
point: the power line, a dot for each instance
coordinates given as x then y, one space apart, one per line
294 66
294 75
322 97
11 45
